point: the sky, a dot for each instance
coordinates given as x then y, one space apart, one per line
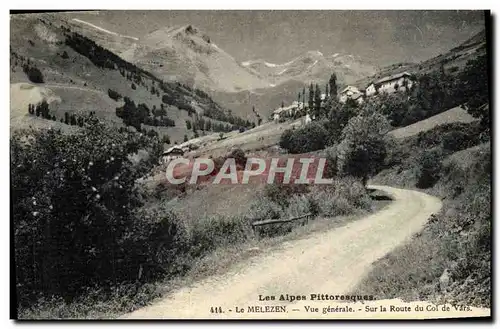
378 37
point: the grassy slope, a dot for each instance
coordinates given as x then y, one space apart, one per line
457 239
456 57
79 84
456 114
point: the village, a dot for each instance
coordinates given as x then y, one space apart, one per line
300 113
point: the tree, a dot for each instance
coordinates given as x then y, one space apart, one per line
309 138
473 89
430 168
33 73
114 95
317 102
333 85
166 139
363 148
188 124
185 138
326 91
87 179
311 97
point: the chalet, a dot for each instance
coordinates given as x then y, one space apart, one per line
350 92
172 153
287 111
390 84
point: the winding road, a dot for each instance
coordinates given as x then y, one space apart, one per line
330 262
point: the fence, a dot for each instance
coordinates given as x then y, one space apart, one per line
279 221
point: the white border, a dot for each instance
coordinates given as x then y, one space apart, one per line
199 4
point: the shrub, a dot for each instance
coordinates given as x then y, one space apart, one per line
281 193
363 148
239 157
114 95
430 167
344 197
310 138
456 141
215 231
298 205
63 185
331 162
33 73
263 208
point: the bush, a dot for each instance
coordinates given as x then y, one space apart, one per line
331 162
73 201
33 73
430 168
263 208
114 95
456 141
281 193
344 197
239 157
363 148
216 231
310 138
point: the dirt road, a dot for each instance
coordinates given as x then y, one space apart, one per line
332 262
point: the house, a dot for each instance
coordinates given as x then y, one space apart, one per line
390 84
277 114
370 90
287 111
172 153
350 92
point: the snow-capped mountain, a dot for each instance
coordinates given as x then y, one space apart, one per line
312 66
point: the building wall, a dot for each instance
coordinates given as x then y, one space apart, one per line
168 158
388 87
370 90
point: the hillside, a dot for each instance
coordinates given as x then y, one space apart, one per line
78 73
188 55
456 114
452 61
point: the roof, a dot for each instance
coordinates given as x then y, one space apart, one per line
393 77
294 105
173 149
351 88
356 96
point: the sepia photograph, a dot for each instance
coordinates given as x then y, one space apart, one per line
250 164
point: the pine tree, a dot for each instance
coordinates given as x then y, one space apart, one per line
311 97
317 101
333 85
326 91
